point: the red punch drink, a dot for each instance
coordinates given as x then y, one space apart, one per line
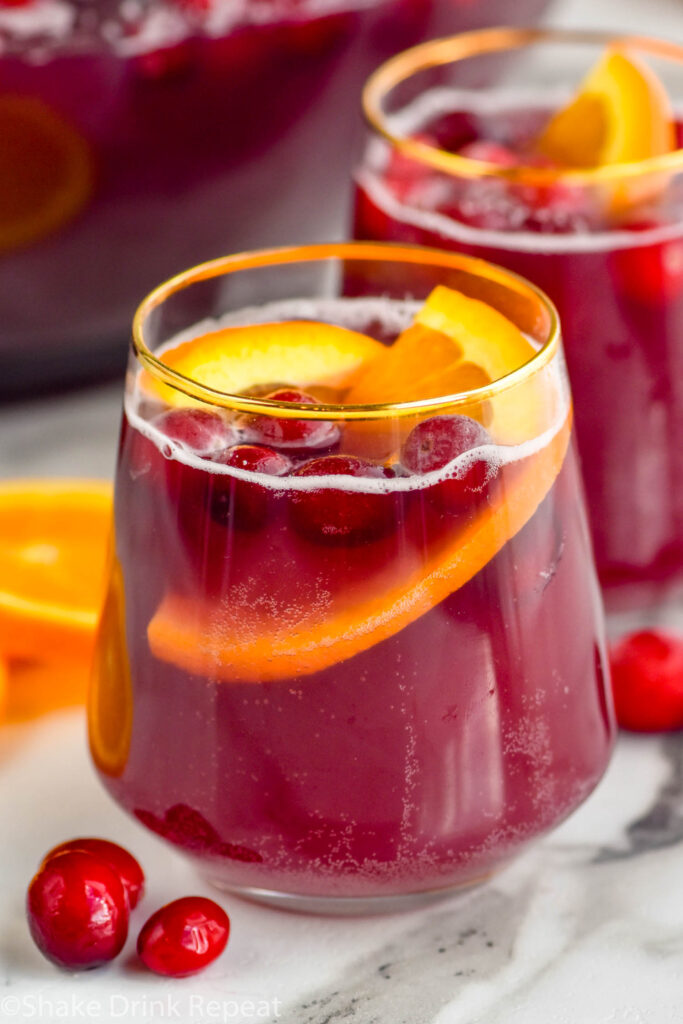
500 173
177 130
352 652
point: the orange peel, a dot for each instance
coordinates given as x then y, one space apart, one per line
110 697
236 359
621 114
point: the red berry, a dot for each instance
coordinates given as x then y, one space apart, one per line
436 442
77 911
335 515
489 152
647 680
291 434
199 431
245 502
651 274
116 857
184 937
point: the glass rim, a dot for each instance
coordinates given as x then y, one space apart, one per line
451 49
360 251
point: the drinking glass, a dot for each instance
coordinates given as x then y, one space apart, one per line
342 692
606 244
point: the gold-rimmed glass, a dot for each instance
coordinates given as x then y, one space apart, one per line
310 683
606 243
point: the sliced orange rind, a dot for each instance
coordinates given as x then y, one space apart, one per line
237 359
213 641
53 536
621 114
46 171
455 345
110 697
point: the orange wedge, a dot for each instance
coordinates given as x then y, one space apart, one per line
622 113
53 536
213 641
110 701
46 171
455 344
35 687
237 359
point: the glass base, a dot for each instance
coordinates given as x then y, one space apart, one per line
345 906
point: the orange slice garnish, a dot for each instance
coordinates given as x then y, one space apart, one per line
36 687
214 641
621 113
110 700
455 344
53 536
46 171
237 359
454 339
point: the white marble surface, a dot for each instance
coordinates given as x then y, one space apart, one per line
587 928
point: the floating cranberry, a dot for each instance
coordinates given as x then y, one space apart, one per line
652 273
189 829
77 910
245 502
199 431
436 442
333 514
184 937
116 857
490 153
647 681
295 436
403 173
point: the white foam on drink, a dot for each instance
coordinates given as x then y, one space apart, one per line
354 314
52 19
444 100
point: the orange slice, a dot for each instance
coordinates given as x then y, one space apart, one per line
35 687
46 171
455 344
237 359
53 536
110 701
622 113
209 641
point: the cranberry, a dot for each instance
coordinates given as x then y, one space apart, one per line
166 63
335 515
186 827
651 273
184 937
77 910
295 436
402 173
436 442
245 502
198 430
647 680
490 153
116 857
